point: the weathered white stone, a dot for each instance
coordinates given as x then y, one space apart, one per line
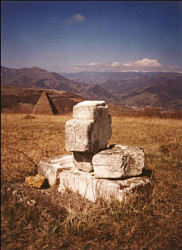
86 135
91 188
83 161
109 127
90 129
118 162
78 135
88 110
50 167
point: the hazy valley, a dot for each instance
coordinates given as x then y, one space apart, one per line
129 89
139 89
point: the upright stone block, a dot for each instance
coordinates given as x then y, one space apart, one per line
88 110
90 128
118 162
78 135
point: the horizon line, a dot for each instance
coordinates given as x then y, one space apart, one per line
123 71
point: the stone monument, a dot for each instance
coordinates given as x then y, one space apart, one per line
88 132
95 170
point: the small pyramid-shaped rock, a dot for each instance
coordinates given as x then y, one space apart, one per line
45 106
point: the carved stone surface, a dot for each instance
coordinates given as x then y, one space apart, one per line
50 167
90 128
118 162
78 135
91 188
83 161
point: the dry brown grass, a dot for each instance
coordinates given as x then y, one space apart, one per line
36 138
43 219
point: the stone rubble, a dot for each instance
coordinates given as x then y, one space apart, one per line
95 170
37 181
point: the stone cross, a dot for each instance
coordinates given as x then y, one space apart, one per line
95 170
88 132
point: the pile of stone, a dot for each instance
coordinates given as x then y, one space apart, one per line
95 170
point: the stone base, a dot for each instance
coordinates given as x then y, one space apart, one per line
61 170
91 188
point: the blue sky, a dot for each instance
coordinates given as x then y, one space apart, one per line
77 36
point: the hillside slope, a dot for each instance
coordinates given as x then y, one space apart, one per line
40 78
23 100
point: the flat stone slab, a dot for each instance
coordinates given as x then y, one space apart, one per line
61 170
118 162
92 188
51 167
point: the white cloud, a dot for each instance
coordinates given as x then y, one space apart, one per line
127 64
94 64
105 65
115 64
145 62
77 18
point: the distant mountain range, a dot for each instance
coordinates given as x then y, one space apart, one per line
101 77
40 78
137 89
131 89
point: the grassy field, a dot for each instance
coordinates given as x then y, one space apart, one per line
43 219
